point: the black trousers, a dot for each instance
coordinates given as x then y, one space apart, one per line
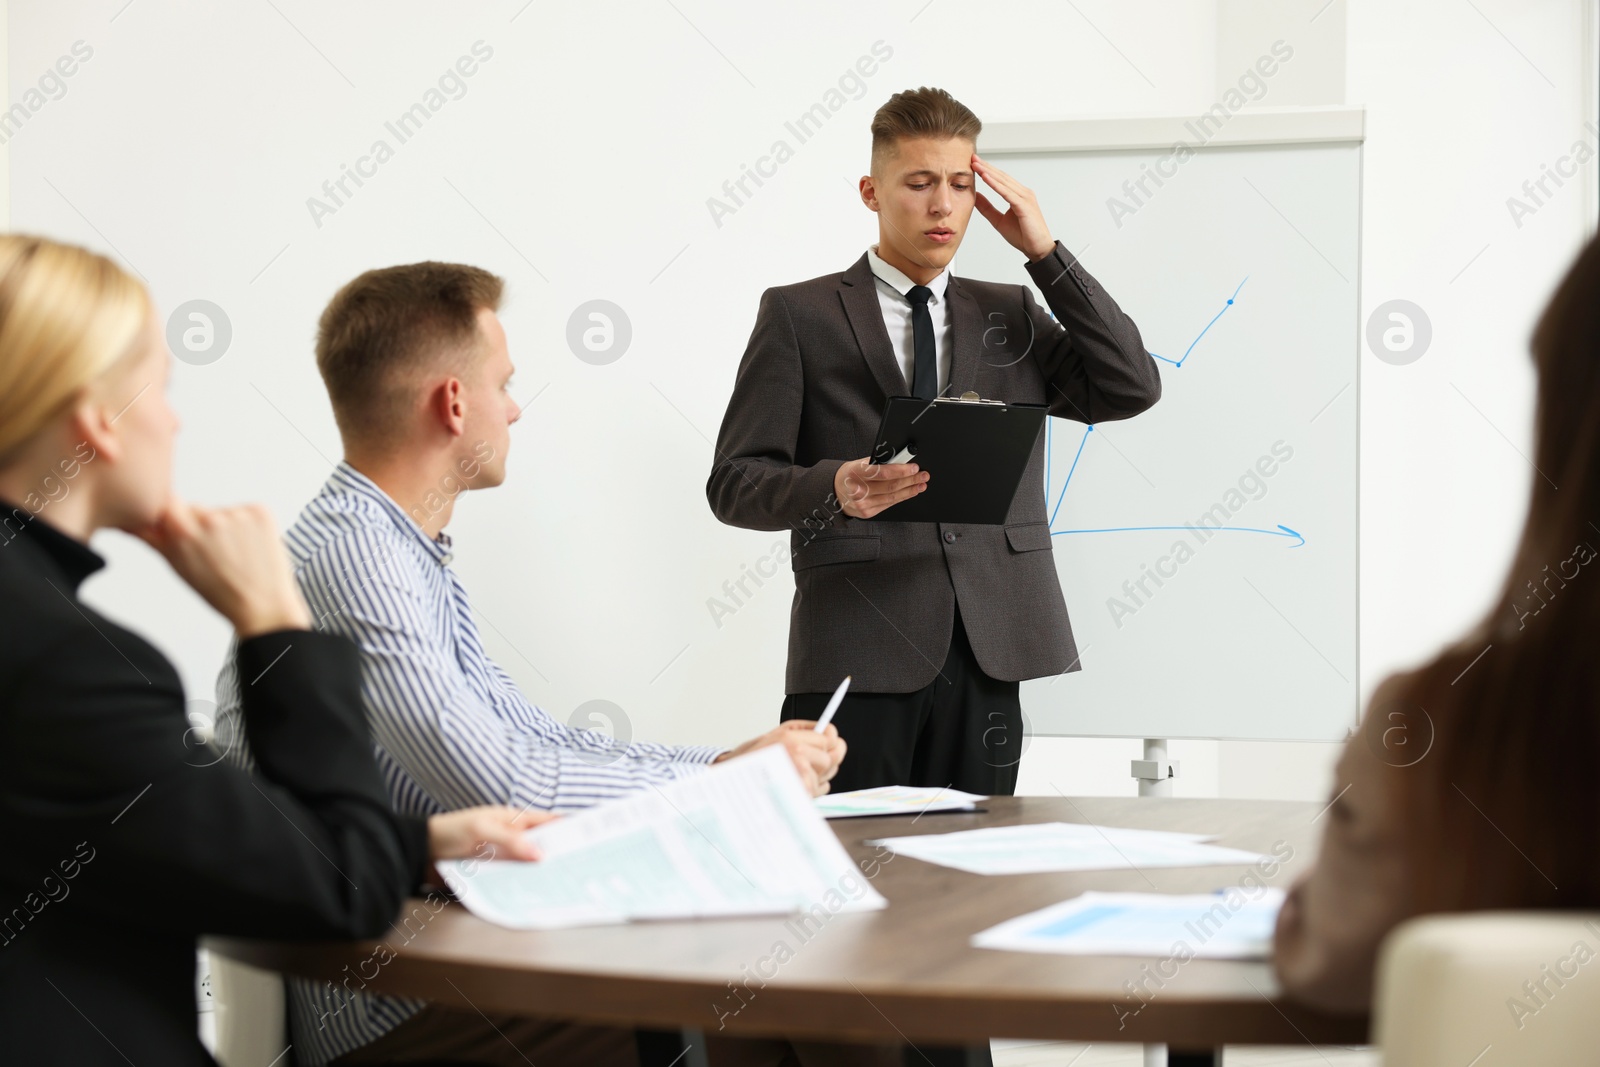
962 730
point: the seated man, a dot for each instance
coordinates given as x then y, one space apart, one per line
416 364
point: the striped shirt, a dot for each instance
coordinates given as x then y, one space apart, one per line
450 727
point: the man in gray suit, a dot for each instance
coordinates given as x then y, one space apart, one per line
936 622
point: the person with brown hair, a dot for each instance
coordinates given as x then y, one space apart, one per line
418 370
123 842
937 623
1453 796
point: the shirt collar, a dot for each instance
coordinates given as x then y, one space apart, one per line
347 479
896 279
75 559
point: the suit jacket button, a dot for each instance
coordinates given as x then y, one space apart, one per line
949 537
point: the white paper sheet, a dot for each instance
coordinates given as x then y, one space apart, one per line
1233 924
1063 846
742 838
895 800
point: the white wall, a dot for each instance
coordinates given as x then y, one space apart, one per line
1464 102
204 128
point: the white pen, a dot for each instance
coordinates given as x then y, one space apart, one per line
833 705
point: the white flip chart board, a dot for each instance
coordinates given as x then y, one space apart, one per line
1207 548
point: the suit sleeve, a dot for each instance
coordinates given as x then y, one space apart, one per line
755 482
1093 360
163 833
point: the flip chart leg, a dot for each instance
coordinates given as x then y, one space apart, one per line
1155 772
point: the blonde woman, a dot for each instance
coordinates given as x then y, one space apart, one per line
119 849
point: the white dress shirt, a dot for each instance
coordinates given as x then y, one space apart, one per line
892 288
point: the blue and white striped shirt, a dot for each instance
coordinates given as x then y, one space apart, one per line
450 727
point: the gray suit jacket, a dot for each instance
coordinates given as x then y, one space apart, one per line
876 599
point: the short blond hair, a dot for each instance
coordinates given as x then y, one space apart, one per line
67 315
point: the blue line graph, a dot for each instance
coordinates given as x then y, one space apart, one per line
1280 531
1179 362
1087 430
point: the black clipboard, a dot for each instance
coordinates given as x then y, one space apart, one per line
975 450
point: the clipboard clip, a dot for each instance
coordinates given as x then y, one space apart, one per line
968 397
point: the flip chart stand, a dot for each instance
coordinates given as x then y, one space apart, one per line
1155 772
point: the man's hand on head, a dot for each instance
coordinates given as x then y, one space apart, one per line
1022 225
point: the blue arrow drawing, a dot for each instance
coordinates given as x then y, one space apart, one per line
1281 531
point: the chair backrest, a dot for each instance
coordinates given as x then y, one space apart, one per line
1490 989
252 1029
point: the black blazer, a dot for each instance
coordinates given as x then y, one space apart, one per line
877 599
122 840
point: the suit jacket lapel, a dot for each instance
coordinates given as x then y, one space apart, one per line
966 337
858 291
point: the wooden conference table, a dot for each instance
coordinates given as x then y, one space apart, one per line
905 973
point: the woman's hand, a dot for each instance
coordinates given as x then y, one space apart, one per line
459 835
232 557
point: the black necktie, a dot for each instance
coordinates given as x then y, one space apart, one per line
925 373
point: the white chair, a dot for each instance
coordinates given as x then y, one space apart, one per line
1490 989
251 1027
